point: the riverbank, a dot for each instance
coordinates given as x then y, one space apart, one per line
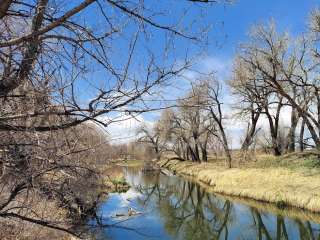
110 179
279 185
113 179
130 163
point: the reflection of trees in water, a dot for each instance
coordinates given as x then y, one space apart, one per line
305 230
136 177
187 210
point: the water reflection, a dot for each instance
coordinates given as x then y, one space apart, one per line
173 208
284 229
188 211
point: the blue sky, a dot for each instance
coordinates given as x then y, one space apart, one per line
238 18
231 25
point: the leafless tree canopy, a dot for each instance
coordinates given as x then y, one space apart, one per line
65 65
195 125
272 74
287 71
51 50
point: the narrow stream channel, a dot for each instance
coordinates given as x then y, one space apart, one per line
170 207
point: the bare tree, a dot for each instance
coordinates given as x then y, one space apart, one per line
213 91
188 130
60 70
199 121
246 89
191 125
279 71
153 137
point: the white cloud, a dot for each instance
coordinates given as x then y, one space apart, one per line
208 64
236 128
128 196
124 129
178 86
222 67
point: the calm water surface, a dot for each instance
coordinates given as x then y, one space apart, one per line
170 207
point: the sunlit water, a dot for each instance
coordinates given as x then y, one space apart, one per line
170 207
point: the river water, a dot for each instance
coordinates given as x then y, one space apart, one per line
170 207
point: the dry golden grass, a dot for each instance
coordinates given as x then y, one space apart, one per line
280 185
291 212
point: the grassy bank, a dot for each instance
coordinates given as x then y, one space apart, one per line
270 182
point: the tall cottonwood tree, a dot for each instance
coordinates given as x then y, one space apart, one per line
268 55
289 69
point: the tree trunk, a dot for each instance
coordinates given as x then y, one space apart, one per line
274 136
313 133
158 155
203 147
187 153
196 152
224 139
226 147
251 132
204 154
192 154
29 56
292 132
301 136
4 6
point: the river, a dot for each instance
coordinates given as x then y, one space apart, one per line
171 207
